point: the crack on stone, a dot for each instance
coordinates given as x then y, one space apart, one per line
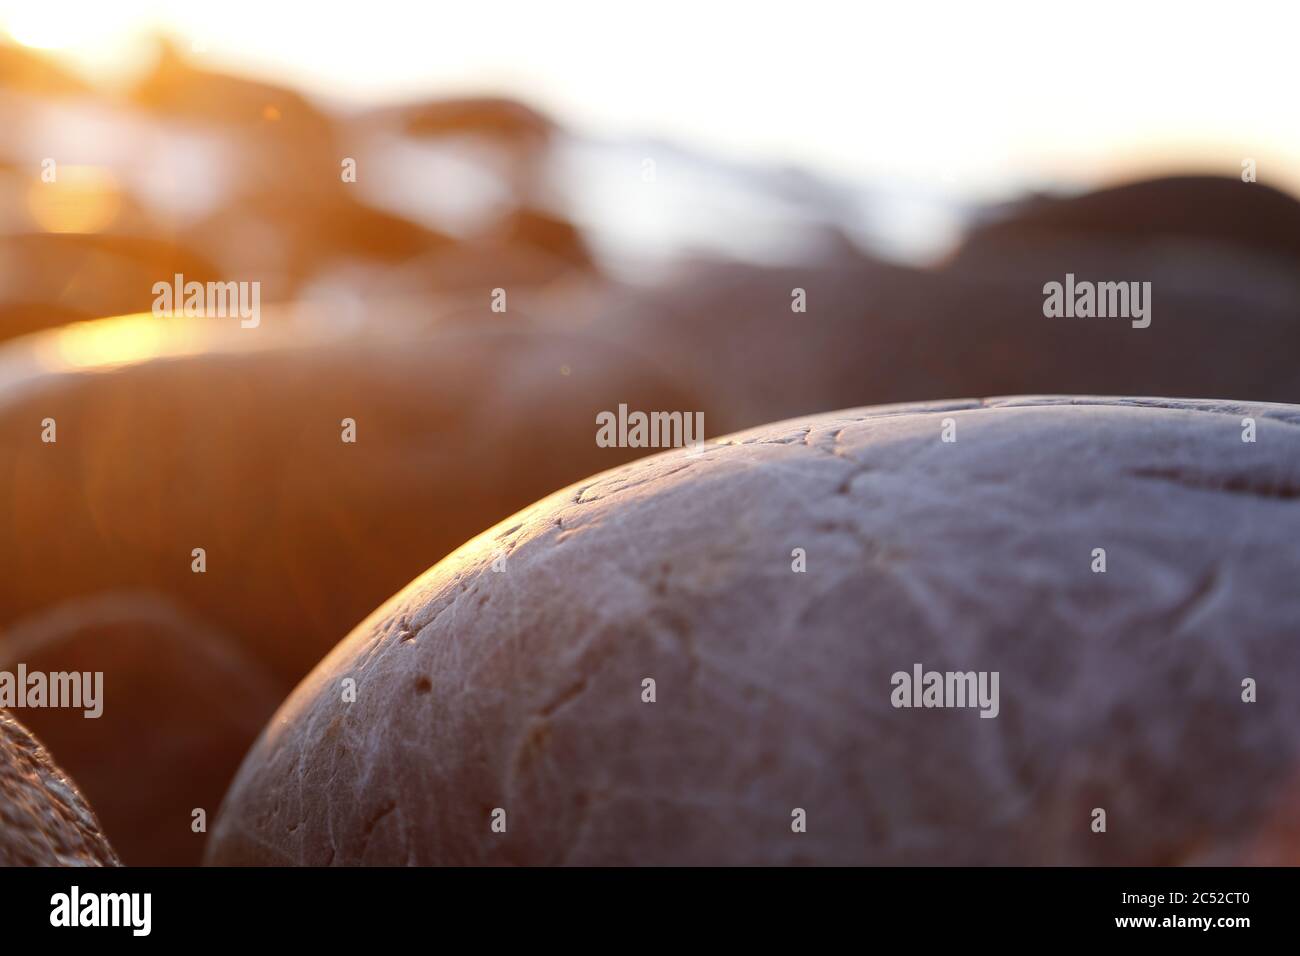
654 476
833 449
384 810
1231 484
450 602
568 695
405 634
1197 598
793 439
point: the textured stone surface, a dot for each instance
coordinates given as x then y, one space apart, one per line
521 690
44 820
181 704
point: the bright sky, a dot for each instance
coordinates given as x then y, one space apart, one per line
977 97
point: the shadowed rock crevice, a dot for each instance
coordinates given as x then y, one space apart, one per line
1235 484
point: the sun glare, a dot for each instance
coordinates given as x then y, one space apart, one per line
43 34
1012 120
111 342
90 34
83 199
61 26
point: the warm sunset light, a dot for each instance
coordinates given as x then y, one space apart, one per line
111 342
969 119
72 26
44 31
82 199
695 436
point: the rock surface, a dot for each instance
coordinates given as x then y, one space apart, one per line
180 706
44 820
522 690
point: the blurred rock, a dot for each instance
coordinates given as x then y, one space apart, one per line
181 705
523 253
1223 307
546 233
521 137
1254 216
75 276
180 87
27 71
182 434
283 238
522 691
499 119
44 820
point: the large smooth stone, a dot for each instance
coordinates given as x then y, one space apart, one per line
180 705
522 690
44 819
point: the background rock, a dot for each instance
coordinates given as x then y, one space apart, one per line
1220 255
181 704
198 434
522 690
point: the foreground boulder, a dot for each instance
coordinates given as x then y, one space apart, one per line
174 700
44 820
709 658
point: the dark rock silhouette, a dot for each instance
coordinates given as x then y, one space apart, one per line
547 234
503 120
179 87
282 238
1223 321
1254 216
